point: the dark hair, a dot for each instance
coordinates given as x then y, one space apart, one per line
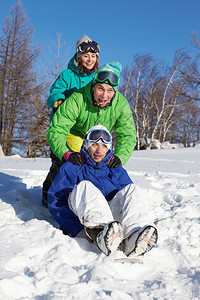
81 68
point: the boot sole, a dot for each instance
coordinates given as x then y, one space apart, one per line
146 240
113 237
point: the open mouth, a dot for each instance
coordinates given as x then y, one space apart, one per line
102 101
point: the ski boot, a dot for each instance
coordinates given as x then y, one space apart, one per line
107 238
140 242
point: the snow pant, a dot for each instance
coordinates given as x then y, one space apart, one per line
93 210
55 166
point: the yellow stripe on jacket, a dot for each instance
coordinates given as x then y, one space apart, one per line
74 142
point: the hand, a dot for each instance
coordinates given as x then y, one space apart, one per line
57 104
73 157
114 162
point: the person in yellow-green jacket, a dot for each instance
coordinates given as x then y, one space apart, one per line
98 103
80 71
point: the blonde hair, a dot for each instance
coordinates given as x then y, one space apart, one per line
80 66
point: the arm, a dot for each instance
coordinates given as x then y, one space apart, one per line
125 132
57 89
63 120
120 177
58 194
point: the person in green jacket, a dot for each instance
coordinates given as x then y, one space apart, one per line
80 71
98 103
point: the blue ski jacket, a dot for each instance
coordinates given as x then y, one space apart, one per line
108 180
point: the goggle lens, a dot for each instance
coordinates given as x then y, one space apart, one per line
89 46
99 134
106 75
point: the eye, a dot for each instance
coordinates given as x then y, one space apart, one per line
93 145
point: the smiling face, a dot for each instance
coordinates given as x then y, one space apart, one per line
103 93
88 60
97 151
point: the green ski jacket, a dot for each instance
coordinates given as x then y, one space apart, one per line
78 114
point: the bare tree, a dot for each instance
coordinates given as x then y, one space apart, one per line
37 128
157 95
163 105
59 62
18 81
193 76
139 88
1 151
196 43
35 125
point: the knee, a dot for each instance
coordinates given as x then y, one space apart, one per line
128 188
85 183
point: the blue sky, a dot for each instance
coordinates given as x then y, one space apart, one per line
122 28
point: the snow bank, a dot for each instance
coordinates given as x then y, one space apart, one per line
38 262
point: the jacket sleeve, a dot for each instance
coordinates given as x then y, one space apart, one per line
63 120
58 193
58 88
125 131
120 177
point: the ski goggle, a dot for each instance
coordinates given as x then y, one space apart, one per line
95 135
102 76
90 46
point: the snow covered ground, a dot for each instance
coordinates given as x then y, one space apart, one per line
38 262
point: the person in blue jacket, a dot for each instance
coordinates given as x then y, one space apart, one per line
100 201
80 71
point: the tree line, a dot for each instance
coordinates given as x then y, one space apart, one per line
164 100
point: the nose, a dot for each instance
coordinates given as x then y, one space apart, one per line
99 147
89 57
104 94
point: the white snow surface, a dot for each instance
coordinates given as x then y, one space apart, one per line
38 262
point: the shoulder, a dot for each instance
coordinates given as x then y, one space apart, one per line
67 72
120 98
120 172
76 98
83 93
67 166
120 104
69 170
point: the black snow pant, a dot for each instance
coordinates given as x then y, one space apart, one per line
55 166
